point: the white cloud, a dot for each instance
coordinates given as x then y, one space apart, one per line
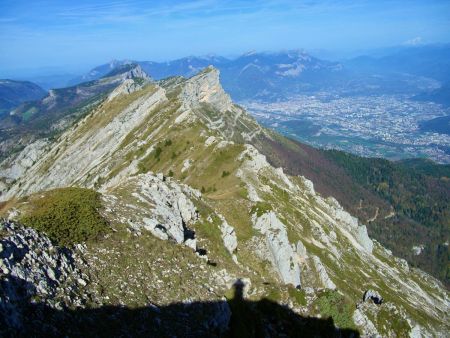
414 42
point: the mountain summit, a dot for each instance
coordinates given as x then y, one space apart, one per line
160 196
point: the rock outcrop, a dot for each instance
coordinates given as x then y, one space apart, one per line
26 159
171 209
228 236
366 325
32 268
205 88
323 275
282 254
373 296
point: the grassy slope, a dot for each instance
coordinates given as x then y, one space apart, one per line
420 201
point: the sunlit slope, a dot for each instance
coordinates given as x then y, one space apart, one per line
174 160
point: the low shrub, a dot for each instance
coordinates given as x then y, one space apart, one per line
67 215
332 304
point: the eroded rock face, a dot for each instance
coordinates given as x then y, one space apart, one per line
84 154
205 87
366 325
228 236
374 296
127 87
170 206
359 231
32 268
323 275
283 256
24 160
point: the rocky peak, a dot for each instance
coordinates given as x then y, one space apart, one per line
128 71
205 87
137 72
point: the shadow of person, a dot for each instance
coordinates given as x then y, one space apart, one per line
237 317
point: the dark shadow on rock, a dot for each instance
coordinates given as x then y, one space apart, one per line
263 318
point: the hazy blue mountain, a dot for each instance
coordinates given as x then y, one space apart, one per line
271 75
440 95
98 72
186 67
252 75
13 93
431 61
279 75
439 125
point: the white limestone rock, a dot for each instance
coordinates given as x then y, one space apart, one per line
13 169
323 275
171 208
186 165
282 255
128 86
205 88
358 231
365 324
301 250
364 239
31 267
209 141
228 236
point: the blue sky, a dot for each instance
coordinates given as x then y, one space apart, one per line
78 34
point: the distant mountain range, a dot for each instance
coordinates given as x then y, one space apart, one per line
13 93
431 61
440 95
274 76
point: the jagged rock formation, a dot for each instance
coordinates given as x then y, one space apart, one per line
228 236
174 164
31 267
281 253
205 87
372 295
26 159
323 275
170 209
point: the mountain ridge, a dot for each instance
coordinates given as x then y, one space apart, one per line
173 164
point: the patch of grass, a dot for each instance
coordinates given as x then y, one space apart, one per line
298 296
260 208
67 215
332 304
397 324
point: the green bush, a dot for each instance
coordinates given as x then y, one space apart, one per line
332 304
225 173
158 152
67 215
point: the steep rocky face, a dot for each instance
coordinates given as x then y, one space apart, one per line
186 195
32 268
205 87
279 251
